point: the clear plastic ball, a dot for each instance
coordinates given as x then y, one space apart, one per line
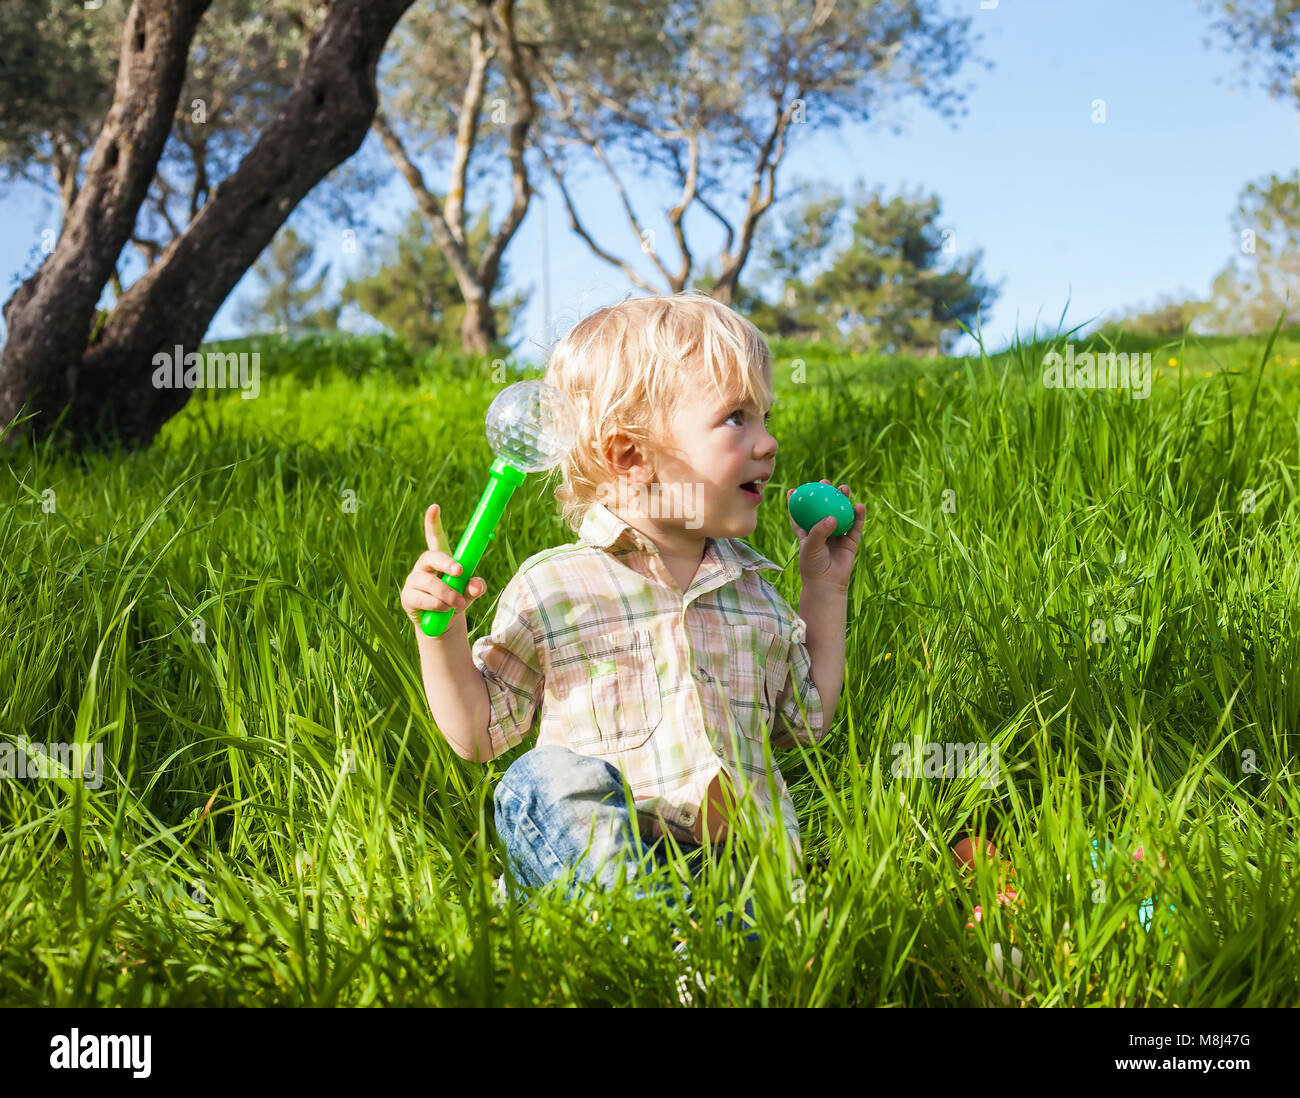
531 425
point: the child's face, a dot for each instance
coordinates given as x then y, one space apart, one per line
719 444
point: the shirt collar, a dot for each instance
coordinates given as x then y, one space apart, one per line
603 529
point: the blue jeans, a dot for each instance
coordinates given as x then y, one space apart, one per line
557 809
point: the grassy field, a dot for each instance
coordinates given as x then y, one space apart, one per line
1108 589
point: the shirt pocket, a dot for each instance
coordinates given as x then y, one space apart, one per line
759 666
611 691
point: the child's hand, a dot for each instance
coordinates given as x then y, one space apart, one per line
825 560
425 590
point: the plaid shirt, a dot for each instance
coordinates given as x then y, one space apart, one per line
672 689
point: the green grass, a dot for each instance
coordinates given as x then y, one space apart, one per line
232 856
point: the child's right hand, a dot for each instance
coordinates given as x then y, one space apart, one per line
425 589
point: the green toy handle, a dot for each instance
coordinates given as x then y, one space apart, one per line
502 482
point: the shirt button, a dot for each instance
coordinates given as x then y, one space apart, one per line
687 815
720 753
702 675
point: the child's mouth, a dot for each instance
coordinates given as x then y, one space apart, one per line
752 490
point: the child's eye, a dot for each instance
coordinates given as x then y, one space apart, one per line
767 418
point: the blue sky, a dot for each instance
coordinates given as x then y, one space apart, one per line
1105 215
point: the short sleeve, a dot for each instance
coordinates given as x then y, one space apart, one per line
508 661
809 726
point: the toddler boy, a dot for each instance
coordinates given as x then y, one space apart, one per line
653 650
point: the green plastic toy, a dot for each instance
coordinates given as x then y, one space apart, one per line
530 427
812 502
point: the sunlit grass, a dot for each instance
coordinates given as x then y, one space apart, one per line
281 823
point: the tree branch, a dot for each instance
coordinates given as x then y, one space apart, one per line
67 158
627 208
676 213
701 199
638 120
577 226
726 225
150 249
521 87
452 248
471 106
770 156
160 203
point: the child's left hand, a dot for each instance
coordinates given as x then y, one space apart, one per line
824 560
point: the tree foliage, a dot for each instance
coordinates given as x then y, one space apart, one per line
712 97
411 289
1266 35
870 273
290 303
1252 289
1170 315
1257 285
57 68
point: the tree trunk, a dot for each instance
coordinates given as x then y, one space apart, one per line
478 331
49 316
107 389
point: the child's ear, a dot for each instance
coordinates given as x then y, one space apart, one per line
626 460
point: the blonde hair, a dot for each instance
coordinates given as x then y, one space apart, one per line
630 367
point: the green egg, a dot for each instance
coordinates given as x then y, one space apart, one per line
812 502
